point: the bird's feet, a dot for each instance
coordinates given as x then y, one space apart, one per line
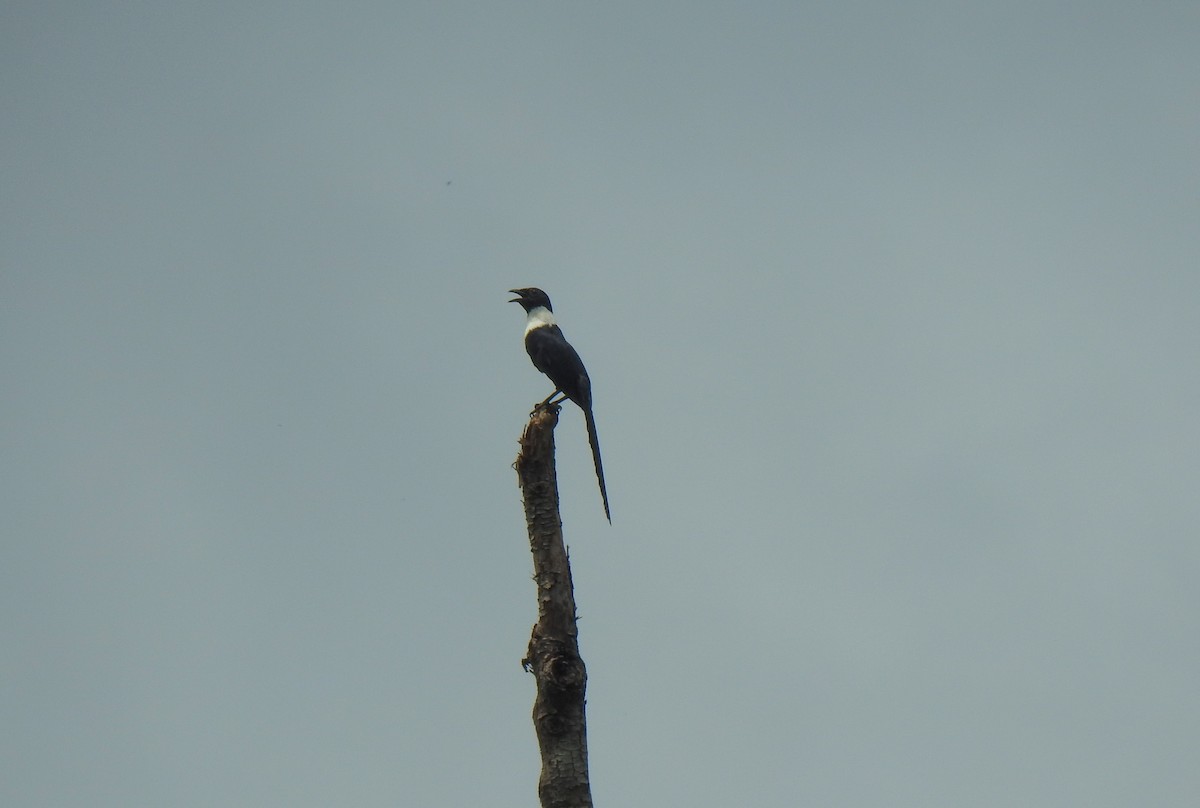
550 406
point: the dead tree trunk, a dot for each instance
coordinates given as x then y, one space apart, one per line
553 655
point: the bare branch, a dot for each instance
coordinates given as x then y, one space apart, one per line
553 655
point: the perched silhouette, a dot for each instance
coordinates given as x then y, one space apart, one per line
554 356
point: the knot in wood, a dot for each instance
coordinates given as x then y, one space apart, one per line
564 673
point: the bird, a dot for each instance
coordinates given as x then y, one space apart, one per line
554 356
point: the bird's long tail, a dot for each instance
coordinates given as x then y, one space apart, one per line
595 444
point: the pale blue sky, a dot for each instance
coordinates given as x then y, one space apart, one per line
891 316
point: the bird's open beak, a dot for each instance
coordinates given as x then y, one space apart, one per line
516 299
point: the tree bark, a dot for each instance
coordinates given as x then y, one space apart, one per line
553 654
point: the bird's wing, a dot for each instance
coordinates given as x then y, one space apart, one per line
554 356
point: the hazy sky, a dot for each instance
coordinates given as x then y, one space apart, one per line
891 312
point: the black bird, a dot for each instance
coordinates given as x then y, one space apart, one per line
554 356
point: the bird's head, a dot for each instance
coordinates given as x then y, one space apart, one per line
531 298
